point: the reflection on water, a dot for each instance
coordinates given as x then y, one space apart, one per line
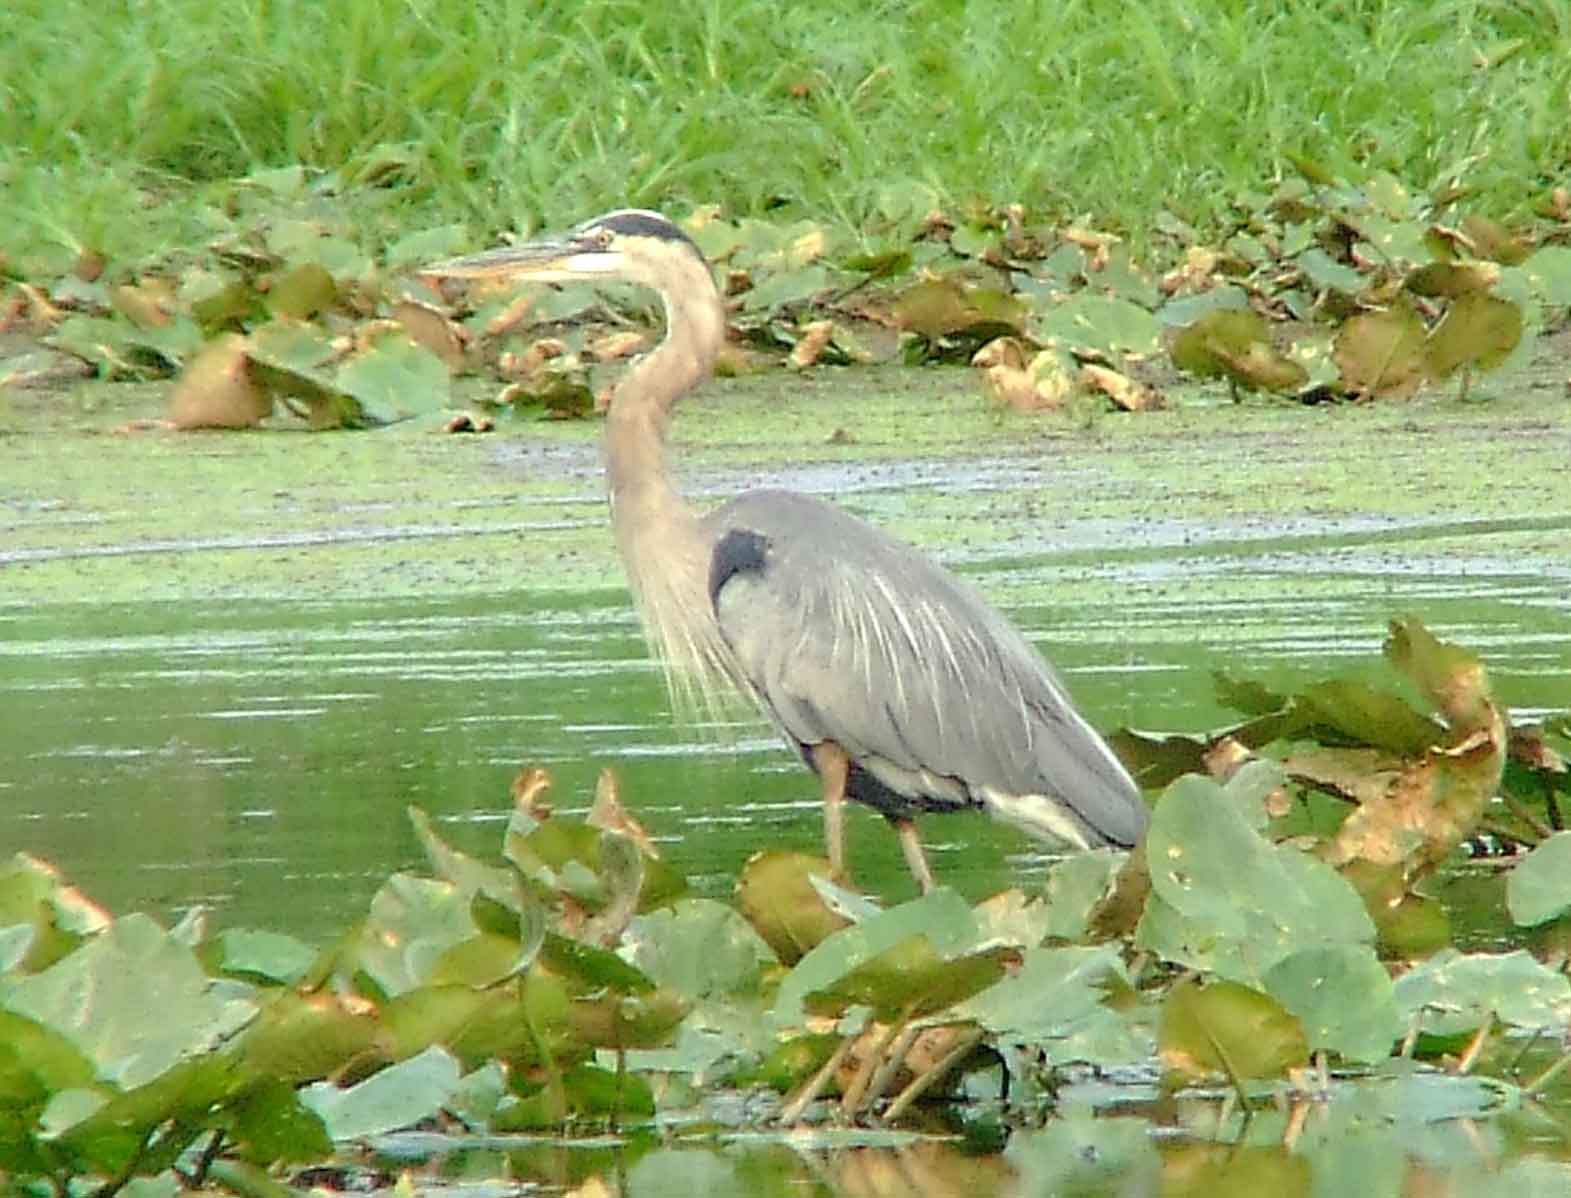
1332 1153
258 756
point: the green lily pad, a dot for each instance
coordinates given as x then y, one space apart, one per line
302 1037
395 379
1342 996
1226 899
942 916
777 896
1477 330
581 1092
701 949
395 1097
1538 888
269 956
412 922
909 979
1229 1029
1053 997
1454 993
152 1003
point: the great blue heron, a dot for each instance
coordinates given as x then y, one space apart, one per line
895 681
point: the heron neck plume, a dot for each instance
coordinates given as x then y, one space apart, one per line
658 533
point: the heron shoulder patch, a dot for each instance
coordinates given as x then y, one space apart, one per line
738 551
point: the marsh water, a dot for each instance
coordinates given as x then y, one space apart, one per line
228 665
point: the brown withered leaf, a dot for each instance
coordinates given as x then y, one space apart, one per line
1359 775
1528 747
1494 241
508 318
545 349
1429 809
1235 343
89 265
815 338
1098 246
1381 353
217 390
302 292
1451 280
148 304
613 347
469 422
1196 273
427 326
940 306
609 815
1046 381
1449 676
1225 756
1477 330
1125 392
529 790
1116 914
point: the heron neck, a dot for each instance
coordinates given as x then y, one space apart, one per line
658 533
643 494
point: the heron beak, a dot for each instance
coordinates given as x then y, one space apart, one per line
548 260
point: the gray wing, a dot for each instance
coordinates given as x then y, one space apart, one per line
846 634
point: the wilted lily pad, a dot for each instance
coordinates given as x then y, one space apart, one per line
1382 353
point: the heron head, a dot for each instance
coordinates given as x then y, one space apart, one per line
631 244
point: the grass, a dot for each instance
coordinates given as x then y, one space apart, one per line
114 117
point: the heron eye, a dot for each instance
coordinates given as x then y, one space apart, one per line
600 239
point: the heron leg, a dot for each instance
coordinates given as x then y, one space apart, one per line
916 858
834 768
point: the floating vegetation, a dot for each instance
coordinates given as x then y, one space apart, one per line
1326 288
1251 973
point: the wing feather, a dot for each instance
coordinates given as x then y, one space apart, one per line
846 634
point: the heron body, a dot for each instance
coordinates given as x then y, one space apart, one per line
894 680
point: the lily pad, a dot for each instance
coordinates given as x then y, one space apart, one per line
1229 1029
1454 993
1382 353
1343 998
395 1097
1538 888
1226 899
151 1004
